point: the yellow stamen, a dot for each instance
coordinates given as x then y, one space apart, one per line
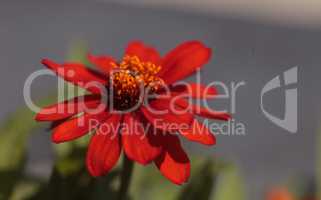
129 75
143 71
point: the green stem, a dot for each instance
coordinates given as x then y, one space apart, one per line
126 175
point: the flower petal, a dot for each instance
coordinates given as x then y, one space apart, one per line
198 133
77 127
173 162
104 148
144 52
78 74
161 116
184 60
102 62
202 111
57 123
139 144
68 108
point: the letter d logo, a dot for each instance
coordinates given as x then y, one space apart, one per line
289 122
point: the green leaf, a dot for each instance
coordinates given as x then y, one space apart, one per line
201 184
71 181
25 188
13 136
229 185
14 133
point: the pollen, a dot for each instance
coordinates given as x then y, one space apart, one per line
130 78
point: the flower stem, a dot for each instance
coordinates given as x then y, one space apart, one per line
126 175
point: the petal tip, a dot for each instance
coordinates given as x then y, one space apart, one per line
49 63
90 56
212 141
56 138
37 117
227 116
93 173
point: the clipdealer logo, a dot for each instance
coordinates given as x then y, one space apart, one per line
287 80
290 120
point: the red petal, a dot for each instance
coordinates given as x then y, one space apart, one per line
199 133
139 144
56 123
77 127
68 108
202 111
184 60
194 90
173 162
168 121
102 62
104 148
77 74
144 52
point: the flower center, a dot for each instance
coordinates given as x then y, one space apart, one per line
130 79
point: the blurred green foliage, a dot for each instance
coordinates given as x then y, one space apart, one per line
231 185
14 134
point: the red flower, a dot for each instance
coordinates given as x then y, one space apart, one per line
141 66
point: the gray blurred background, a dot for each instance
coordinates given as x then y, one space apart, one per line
252 41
